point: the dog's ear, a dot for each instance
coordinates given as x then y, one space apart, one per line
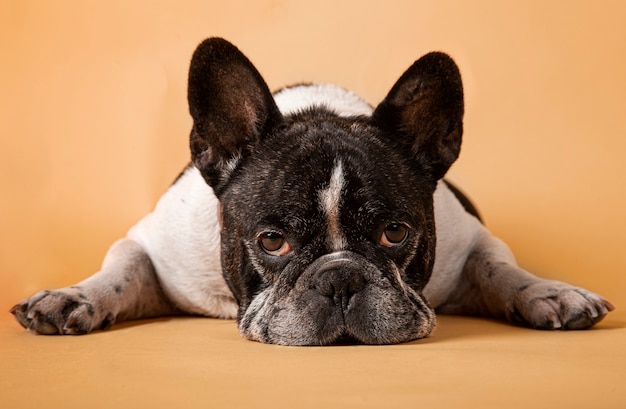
231 106
424 112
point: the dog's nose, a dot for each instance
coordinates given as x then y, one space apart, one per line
339 285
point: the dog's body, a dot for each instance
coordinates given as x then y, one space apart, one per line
312 217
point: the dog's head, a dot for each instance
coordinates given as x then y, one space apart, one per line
328 228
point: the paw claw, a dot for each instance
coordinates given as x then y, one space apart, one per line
14 309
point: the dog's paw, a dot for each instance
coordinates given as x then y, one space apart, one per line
66 311
556 305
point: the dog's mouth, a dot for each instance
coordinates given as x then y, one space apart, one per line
346 339
339 299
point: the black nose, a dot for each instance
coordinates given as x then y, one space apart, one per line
340 285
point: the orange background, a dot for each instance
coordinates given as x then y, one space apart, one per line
94 122
94 127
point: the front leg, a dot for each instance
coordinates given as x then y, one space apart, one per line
493 285
125 288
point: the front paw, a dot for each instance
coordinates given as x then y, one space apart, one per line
66 311
556 305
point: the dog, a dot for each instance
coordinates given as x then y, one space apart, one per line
314 218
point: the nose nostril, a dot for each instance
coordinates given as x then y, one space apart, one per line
356 284
339 285
325 287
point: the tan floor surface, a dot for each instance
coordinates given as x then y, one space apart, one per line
195 362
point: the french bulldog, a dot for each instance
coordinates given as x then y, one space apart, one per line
314 218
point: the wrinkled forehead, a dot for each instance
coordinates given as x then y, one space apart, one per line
313 169
320 152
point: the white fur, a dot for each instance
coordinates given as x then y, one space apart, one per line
182 237
339 100
182 234
457 234
329 199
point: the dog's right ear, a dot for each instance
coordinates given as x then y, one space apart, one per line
231 106
423 112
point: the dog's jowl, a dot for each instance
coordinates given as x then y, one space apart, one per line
312 218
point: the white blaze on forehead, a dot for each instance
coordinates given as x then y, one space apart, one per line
329 201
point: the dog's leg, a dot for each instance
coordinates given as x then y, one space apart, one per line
493 285
125 288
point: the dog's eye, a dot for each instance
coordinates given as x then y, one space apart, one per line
274 243
394 235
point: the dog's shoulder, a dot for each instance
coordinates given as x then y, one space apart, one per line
463 199
189 204
182 238
458 231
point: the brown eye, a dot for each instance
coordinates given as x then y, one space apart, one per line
394 235
274 243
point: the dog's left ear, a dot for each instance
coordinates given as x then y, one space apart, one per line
231 106
424 112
